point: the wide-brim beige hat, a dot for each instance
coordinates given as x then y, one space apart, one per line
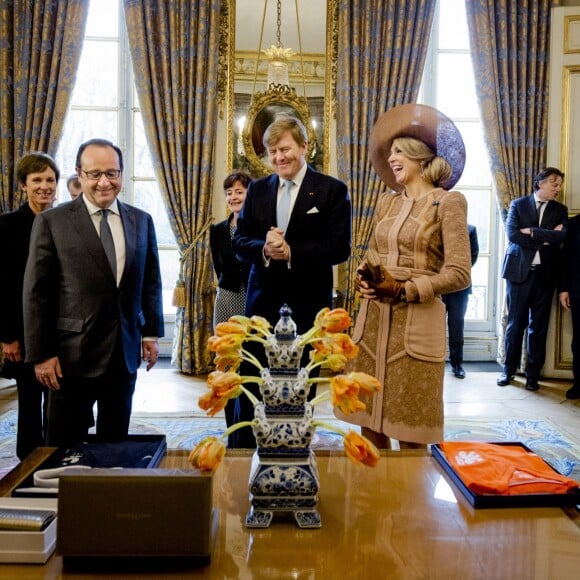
422 122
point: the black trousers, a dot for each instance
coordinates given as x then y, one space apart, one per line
456 305
529 304
70 410
32 408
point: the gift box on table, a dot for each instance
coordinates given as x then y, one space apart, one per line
137 451
28 547
495 500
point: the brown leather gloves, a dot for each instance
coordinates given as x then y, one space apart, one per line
384 285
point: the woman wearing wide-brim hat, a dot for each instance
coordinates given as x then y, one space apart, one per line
418 251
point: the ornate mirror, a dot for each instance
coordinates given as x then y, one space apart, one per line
253 101
264 109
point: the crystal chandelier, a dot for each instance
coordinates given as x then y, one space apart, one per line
278 55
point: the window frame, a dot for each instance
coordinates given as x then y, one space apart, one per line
126 109
428 95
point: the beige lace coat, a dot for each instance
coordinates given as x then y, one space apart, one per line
425 243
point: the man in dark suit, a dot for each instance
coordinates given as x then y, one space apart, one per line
37 175
292 262
569 294
456 305
536 227
295 225
92 307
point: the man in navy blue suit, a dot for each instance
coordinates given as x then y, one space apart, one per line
536 228
294 227
292 262
92 311
569 294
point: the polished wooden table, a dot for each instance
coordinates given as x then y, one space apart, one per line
402 519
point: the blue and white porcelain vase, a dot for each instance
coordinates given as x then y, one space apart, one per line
284 474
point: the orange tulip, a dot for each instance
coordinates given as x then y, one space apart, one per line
343 344
243 320
335 320
360 450
260 323
230 327
208 454
366 382
320 350
227 362
337 343
344 394
212 403
225 344
223 382
335 362
224 386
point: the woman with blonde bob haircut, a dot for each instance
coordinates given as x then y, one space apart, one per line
434 169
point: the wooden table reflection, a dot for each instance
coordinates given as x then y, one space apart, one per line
402 519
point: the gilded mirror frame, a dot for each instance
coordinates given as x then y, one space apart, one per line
275 97
263 110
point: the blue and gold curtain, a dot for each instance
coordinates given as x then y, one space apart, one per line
174 46
510 42
40 48
381 55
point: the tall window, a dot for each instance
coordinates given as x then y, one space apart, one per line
104 104
449 85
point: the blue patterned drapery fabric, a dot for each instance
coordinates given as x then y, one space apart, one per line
40 48
510 41
174 46
381 55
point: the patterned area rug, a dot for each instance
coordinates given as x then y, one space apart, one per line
185 431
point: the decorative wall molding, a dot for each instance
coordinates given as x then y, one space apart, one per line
571 34
313 65
570 135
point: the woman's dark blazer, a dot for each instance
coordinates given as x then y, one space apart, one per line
15 228
231 272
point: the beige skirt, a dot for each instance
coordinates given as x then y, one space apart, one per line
402 345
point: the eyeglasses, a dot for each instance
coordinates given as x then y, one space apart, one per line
110 174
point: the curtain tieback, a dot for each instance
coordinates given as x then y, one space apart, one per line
179 290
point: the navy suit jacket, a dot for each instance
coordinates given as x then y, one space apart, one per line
570 272
319 236
522 247
73 307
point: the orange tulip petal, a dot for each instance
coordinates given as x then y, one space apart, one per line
230 327
366 382
360 450
208 454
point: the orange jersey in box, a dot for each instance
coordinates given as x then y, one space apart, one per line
503 469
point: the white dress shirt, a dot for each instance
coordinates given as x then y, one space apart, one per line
296 184
536 261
